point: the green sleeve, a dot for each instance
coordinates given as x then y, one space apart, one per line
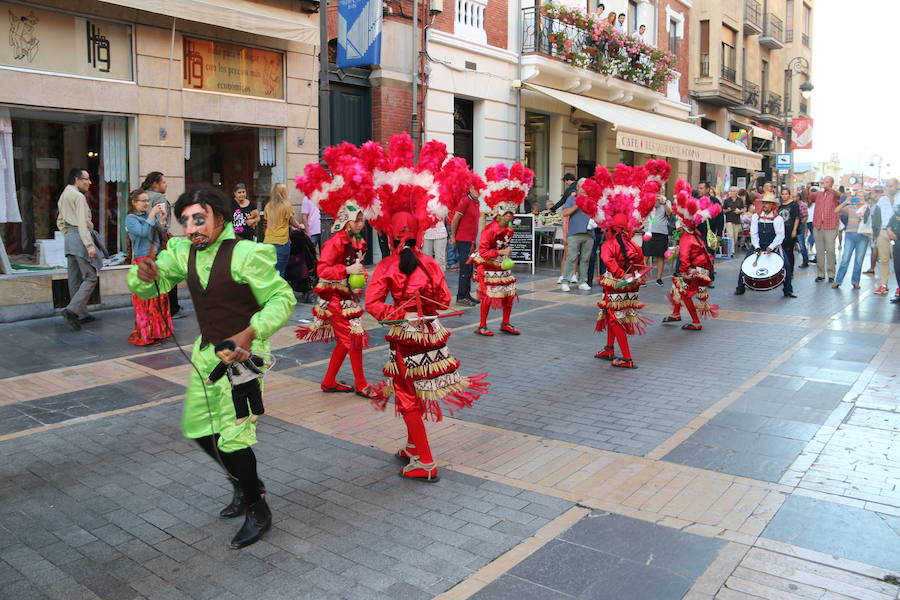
255 266
172 263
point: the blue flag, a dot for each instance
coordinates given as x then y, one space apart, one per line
359 33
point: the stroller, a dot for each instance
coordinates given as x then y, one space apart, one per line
301 267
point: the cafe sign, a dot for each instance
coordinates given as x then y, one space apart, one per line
232 69
46 40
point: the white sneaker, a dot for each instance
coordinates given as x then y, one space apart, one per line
573 279
583 287
565 287
560 280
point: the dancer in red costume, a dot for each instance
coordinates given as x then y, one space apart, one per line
425 377
695 260
505 191
618 204
347 194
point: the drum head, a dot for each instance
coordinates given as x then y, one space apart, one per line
762 266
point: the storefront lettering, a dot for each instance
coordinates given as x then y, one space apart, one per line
232 69
97 48
193 68
647 145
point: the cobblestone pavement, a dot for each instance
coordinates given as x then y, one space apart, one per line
757 459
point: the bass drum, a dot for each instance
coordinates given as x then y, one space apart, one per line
763 272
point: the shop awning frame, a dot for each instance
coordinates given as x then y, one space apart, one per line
654 134
258 19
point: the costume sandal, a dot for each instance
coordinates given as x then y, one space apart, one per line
671 319
338 388
484 331
623 363
606 354
692 327
367 392
507 328
405 453
420 471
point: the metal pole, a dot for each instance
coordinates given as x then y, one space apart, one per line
519 39
324 88
414 126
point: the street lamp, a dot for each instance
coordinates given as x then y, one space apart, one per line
800 66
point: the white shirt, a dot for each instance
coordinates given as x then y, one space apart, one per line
639 36
887 210
776 220
620 27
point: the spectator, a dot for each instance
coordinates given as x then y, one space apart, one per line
599 9
811 212
156 185
718 222
733 208
790 214
245 218
435 244
580 242
570 191
464 232
311 220
152 321
858 232
825 224
801 230
279 220
884 234
871 198
640 34
894 234
620 23
595 254
611 19
81 247
657 226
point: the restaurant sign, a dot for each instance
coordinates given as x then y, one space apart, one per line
232 69
56 42
626 140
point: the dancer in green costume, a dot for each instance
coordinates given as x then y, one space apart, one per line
239 297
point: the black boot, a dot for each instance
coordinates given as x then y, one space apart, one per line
237 506
257 521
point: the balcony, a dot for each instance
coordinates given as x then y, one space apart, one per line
805 38
773 33
750 107
752 18
573 37
771 109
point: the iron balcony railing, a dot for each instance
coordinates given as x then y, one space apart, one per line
773 27
729 74
751 95
752 13
771 103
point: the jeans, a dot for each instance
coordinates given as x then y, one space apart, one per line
592 263
811 238
801 241
579 250
282 255
465 270
452 256
855 245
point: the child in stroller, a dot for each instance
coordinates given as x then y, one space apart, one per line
301 267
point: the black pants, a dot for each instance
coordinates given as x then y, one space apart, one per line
897 262
787 252
592 263
174 307
240 464
465 270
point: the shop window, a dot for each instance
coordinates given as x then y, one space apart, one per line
46 144
226 155
537 155
463 127
626 157
587 150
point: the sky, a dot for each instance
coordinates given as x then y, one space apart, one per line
856 101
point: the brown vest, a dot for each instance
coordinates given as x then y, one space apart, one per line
224 308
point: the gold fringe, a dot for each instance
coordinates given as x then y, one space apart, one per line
441 367
435 337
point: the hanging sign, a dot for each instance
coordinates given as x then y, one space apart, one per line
359 33
801 134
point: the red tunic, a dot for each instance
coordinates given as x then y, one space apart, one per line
620 302
337 316
425 375
496 284
696 265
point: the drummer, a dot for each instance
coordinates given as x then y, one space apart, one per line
766 235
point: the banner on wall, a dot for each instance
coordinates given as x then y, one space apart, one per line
232 69
801 134
359 33
57 42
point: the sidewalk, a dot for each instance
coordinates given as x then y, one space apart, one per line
756 459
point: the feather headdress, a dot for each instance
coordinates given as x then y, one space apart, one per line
692 211
630 192
506 188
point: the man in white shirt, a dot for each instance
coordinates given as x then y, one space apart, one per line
883 241
766 235
640 34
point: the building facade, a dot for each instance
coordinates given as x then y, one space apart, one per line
221 96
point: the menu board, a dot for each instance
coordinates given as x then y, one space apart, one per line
522 243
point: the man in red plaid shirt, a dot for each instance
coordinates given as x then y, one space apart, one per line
825 227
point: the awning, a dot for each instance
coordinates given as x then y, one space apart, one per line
255 18
763 134
654 134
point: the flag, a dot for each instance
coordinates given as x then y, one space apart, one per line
359 33
801 134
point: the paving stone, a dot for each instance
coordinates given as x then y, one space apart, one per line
565 567
509 587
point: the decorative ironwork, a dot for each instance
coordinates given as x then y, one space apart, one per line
729 74
773 27
752 13
771 104
751 95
